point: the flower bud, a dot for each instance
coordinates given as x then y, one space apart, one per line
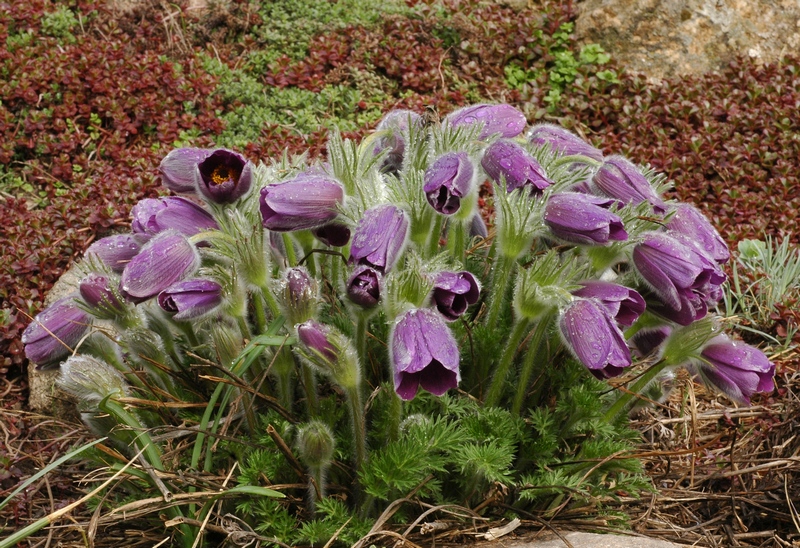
306 201
91 380
315 445
164 260
737 369
154 215
583 219
691 227
177 169
298 295
54 332
563 141
380 238
330 351
116 251
190 299
393 124
505 160
224 176
592 335
620 179
501 119
101 296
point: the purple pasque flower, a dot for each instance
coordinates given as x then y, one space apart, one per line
684 280
380 237
332 234
501 119
424 354
177 169
509 161
583 219
154 215
308 200
166 259
737 369
623 303
593 336
224 176
190 299
54 332
100 294
364 286
448 180
691 227
316 337
563 141
116 251
453 292
393 124
297 292
620 179
648 340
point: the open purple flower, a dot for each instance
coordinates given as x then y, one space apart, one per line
364 286
563 141
116 251
380 237
502 119
178 168
167 258
737 369
332 234
620 179
448 180
394 123
623 303
154 215
190 299
592 335
583 219
453 292
506 160
306 201
424 354
54 332
691 227
224 176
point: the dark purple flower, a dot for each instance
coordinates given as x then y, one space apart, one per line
364 286
563 141
682 278
583 219
502 119
332 234
154 215
648 340
380 237
178 168
424 354
393 124
453 292
623 303
99 293
306 201
224 176
506 160
166 259
54 332
737 369
116 251
594 338
620 179
316 337
190 298
448 180
691 227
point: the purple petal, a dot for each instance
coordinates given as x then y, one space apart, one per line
164 260
178 168
306 201
501 119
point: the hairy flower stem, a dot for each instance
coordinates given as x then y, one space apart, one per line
501 276
316 487
435 235
532 358
288 243
356 408
633 392
283 366
310 388
395 416
455 239
361 337
575 159
506 359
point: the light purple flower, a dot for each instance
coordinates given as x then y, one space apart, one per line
453 292
332 234
380 237
623 303
116 251
224 176
316 337
592 335
100 294
507 160
583 219
737 369
364 286
166 259
563 141
54 332
306 201
190 299
394 123
424 354
691 227
620 179
154 215
448 180
178 168
501 119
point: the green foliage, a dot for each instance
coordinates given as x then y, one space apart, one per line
60 24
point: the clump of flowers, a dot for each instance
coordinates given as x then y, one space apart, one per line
370 279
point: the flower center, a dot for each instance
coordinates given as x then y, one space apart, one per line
223 174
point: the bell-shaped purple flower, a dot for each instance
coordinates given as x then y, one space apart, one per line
306 201
224 176
364 286
116 251
691 227
154 215
190 299
507 160
54 332
424 354
177 169
453 292
592 335
166 259
448 180
623 303
646 341
380 237
737 369
620 179
316 337
100 294
583 219
332 234
563 141
393 124
501 119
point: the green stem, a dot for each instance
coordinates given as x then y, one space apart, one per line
356 409
456 239
503 270
506 359
531 359
288 243
269 298
435 235
575 159
622 402
260 313
361 337
310 387
395 416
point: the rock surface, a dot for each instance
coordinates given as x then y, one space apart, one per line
664 38
579 540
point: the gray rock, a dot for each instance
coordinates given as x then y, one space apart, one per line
581 540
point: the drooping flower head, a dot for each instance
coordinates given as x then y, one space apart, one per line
501 119
691 227
380 237
101 295
364 286
54 332
563 141
224 176
177 169
116 251
453 292
424 354
620 179
308 200
623 303
154 215
737 369
297 293
447 181
332 234
190 299
583 219
507 160
167 258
